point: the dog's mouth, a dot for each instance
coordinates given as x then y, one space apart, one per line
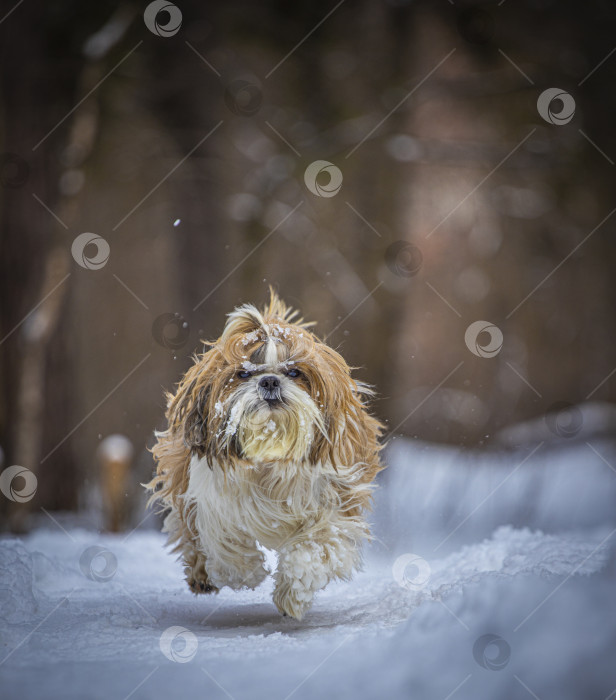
273 401
272 396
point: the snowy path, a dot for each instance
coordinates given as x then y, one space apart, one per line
547 597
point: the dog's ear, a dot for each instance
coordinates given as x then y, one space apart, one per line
187 410
195 419
350 434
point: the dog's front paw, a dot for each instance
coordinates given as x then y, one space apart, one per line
197 578
292 601
197 586
302 571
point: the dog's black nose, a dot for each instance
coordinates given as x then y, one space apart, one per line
269 382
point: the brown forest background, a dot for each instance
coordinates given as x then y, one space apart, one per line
102 130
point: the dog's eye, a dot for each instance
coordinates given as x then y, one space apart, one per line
293 373
244 374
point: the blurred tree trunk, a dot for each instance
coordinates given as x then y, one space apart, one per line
28 270
35 261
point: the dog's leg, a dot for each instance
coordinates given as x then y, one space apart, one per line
229 551
197 576
308 565
193 556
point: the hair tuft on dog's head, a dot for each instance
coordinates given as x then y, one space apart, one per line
248 319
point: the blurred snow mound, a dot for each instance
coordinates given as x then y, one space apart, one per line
512 552
435 498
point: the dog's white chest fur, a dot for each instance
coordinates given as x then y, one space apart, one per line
266 503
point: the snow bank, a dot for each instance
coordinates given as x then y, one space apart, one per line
436 498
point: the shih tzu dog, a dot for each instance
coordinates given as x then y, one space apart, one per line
269 444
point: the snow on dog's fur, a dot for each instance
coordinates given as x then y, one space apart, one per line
268 441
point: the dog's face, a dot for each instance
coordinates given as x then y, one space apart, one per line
266 410
269 390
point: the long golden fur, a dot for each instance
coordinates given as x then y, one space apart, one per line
269 443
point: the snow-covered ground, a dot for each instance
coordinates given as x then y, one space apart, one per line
492 576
